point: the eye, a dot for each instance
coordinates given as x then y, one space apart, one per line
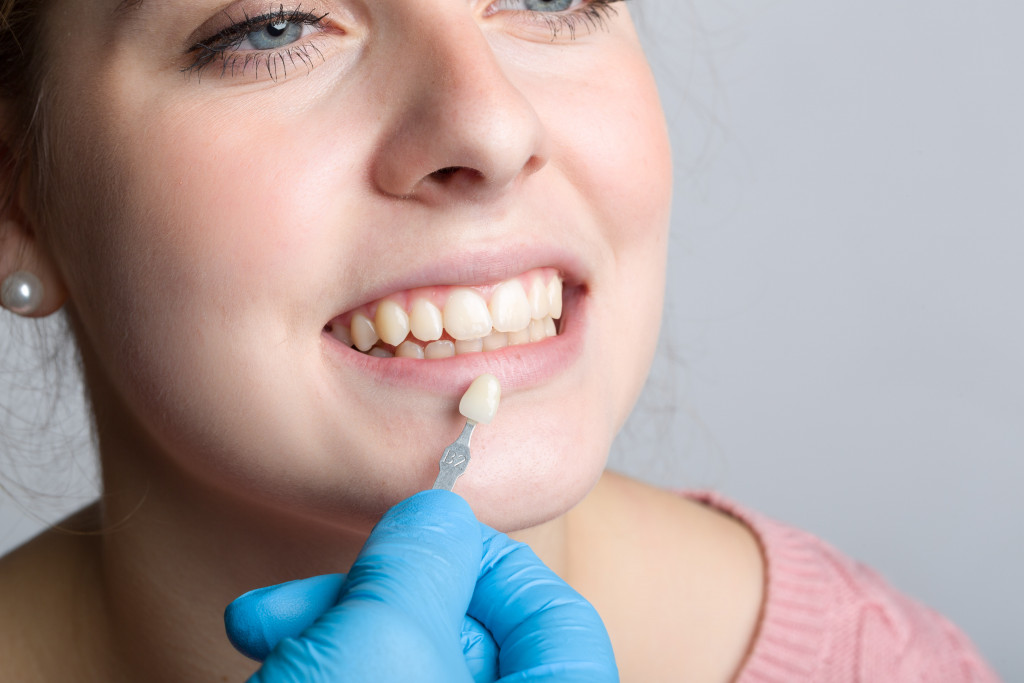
274 34
547 5
272 41
562 18
537 5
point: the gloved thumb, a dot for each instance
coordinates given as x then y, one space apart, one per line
258 620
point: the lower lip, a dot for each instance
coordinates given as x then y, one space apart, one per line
516 367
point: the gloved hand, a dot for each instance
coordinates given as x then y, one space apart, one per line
401 613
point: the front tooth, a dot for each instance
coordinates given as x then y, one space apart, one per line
439 349
549 327
538 299
364 334
392 322
466 315
468 346
425 321
409 349
509 307
555 297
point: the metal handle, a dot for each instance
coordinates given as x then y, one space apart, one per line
455 459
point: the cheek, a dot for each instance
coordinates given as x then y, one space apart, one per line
615 146
180 251
615 143
620 153
193 221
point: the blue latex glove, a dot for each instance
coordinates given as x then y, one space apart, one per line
421 603
260 619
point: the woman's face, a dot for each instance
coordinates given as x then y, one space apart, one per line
236 181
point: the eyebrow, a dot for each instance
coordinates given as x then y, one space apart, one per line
126 5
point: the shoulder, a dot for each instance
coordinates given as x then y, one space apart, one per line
828 617
678 584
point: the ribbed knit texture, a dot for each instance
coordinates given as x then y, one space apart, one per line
828 619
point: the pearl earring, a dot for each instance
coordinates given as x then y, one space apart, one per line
21 293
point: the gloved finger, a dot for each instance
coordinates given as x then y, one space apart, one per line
544 629
480 651
401 609
258 620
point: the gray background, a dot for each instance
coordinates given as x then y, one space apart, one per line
843 336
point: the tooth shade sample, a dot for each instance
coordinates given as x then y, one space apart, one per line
466 315
480 402
409 349
364 334
509 307
538 299
555 298
495 341
439 349
469 346
425 321
392 322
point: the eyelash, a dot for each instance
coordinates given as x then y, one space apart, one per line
224 44
592 15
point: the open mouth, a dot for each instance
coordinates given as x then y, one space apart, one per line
447 321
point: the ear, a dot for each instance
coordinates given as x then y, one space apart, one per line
20 246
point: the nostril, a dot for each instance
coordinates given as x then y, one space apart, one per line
447 173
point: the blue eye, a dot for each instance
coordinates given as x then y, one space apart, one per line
548 5
564 19
544 6
271 41
273 35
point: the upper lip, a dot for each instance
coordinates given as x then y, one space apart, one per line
474 265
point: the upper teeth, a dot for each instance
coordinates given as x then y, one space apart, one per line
519 310
466 315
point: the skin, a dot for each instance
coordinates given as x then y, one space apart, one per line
202 230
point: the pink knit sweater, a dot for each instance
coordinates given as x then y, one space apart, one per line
828 619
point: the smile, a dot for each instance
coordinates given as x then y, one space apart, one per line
445 321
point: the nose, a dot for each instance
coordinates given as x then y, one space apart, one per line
457 128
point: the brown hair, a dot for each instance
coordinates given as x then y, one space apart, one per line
19 88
